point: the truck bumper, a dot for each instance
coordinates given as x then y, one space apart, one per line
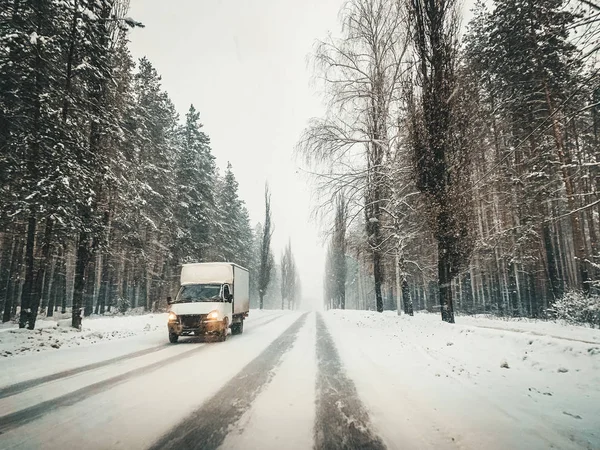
204 327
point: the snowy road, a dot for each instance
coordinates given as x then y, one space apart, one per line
314 380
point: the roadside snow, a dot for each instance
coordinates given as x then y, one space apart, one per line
122 335
558 329
480 383
55 334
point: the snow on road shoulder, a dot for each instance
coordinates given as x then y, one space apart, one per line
122 335
523 325
458 385
51 335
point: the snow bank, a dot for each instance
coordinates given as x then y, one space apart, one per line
55 333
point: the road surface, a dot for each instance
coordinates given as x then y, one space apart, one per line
295 381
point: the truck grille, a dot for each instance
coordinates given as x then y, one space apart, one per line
192 320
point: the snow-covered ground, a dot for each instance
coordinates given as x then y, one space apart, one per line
294 380
558 329
54 334
508 385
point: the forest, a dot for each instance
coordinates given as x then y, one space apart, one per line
459 163
104 189
456 165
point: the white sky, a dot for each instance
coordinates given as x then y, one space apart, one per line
243 66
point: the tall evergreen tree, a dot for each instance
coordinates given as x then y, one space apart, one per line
266 256
233 237
289 276
196 176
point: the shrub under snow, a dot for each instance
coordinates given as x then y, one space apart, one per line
576 308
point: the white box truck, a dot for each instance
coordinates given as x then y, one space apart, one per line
212 298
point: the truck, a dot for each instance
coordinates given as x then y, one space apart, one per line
212 297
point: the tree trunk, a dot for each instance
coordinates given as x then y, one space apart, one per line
54 288
81 263
90 284
406 298
359 299
551 262
65 282
8 255
512 290
48 282
377 274
28 286
104 286
10 302
467 286
578 241
399 300
445 280
41 274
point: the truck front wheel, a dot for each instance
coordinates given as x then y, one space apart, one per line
225 330
173 338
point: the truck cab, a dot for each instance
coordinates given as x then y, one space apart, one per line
212 298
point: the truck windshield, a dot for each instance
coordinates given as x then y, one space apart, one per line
199 293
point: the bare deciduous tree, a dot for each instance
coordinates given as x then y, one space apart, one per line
362 74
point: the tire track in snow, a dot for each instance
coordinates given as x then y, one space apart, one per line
342 421
533 333
27 415
207 427
23 386
265 320
17 388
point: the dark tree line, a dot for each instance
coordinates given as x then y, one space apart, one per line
488 183
104 192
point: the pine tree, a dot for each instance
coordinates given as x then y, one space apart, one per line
233 237
96 169
195 174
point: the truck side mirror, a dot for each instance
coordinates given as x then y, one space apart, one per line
169 300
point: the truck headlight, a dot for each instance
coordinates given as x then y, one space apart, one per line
213 315
172 317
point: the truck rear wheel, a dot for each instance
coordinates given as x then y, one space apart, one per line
173 338
237 328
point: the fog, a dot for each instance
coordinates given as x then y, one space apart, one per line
244 66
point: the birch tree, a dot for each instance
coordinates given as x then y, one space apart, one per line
362 73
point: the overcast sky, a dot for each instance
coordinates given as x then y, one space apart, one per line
243 66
